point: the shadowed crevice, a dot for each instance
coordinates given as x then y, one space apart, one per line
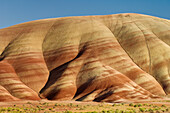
82 88
55 74
102 97
1 58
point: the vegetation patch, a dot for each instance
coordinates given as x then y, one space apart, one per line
50 107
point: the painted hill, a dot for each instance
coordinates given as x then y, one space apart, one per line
110 58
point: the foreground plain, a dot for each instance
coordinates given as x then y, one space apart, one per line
45 106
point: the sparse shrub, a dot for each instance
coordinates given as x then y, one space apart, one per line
142 109
163 110
121 111
38 106
145 104
71 104
113 104
155 106
131 104
77 105
101 105
134 111
28 102
127 111
139 105
155 109
167 109
109 111
150 110
135 105
163 106
45 103
117 111
68 112
104 111
150 105
50 108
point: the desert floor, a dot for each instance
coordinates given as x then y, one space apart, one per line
46 106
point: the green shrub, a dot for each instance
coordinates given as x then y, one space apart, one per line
163 106
142 109
104 111
121 111
28 102
94 112
113 104
139 105
117 111
68 112
131 104
135 105
167 109
145 104
134 111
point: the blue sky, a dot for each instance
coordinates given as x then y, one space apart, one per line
18 11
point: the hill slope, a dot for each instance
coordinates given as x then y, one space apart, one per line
110 58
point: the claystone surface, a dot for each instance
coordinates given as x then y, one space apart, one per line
111 58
